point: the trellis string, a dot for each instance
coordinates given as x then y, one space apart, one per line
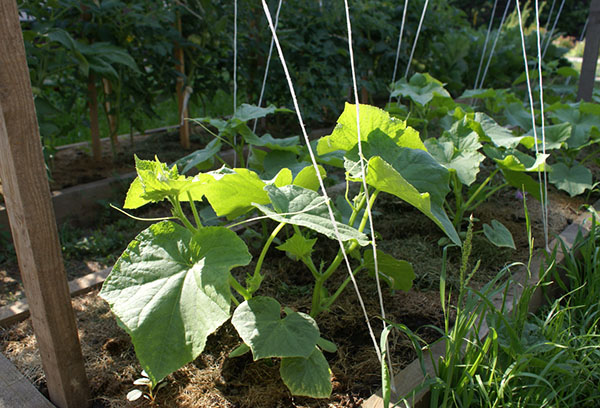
398 48
235 12
549 38
544 193
530 94
262 89
318 174
487 66
363 178
412 52
487 36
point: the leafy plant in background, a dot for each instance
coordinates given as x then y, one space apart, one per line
170 272
235 133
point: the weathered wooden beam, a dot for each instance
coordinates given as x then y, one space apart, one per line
587 78
27 198
16 390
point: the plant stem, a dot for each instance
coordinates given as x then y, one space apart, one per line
479 189
194 210
316 307
178 212
239 288
257 276
339 290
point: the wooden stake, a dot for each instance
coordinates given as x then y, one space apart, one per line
94 126
112 118
587 78
27 198
184 129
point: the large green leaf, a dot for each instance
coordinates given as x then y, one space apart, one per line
465 163
574 180
517 115
581 124
417 166
156 181
233 192
246 112
199 156
259 324
523 181
291 143
307 177
421 88
499 135
398 274
300 206
384 177
556 135
170 291
309 377
372 120
515 160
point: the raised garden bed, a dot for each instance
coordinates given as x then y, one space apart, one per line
217 381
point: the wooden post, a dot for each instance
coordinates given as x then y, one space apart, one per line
587 78
112 118
27 198
184 129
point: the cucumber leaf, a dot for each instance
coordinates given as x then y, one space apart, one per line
397 274
421 88
297 246
372 120
299 206
574 180
259 324
310 377
161 282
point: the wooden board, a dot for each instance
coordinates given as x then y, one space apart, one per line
16 391
27 198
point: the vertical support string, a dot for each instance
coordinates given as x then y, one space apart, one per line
235 13
262 89
487 36
412 52
318 174
364 175
544 193
543 188
487 66
549 36
398 48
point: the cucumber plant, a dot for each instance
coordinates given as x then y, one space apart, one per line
173 286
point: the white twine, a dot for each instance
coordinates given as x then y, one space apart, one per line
549 38
262 89
318 173
398 48
543 189
364 181
487 36
487 66
412 52
544 194
235 12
